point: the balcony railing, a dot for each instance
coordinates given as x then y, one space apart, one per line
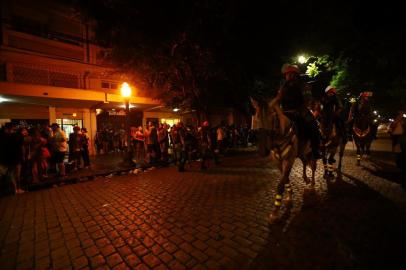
42 76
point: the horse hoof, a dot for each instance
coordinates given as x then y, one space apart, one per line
273 218
288 202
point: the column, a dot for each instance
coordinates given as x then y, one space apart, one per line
52 115
89 122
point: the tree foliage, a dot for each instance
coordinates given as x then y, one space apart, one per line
197 54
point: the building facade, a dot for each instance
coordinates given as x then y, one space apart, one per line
52 71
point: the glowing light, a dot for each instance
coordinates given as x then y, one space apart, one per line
98 111
391 120
74 114
375 120
123 106
404 115
301 59
176 109
125 90
3 99
375 112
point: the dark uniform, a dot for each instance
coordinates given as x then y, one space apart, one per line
178 137
293 103
206 146
362 109
332 110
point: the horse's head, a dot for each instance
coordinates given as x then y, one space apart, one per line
264 116
269 123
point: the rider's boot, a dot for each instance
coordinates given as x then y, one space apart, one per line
288 197
274 216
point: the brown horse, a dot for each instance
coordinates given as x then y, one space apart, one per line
362 130
280 137
331 141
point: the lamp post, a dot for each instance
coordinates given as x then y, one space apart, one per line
126 94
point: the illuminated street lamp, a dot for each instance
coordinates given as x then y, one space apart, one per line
301 59
126 94
3 99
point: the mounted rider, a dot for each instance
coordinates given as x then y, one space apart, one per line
362 109
333 109
291 98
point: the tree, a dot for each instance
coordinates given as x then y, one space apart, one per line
198 54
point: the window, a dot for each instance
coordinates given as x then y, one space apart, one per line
105 85
109 85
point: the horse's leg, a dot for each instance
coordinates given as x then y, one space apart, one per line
330 165
313 166
357 143
286 168
304 170
341 154
325 162
368 147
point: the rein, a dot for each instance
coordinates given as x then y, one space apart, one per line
360 133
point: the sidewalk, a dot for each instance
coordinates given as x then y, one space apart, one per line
101 165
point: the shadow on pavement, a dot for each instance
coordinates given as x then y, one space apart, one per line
387 171
354 227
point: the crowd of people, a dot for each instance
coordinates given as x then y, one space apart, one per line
181 143
34 155
30 155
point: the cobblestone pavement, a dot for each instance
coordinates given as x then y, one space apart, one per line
216 219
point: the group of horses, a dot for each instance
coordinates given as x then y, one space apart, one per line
281 139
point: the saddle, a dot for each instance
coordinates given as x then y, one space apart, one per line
361 133
301 123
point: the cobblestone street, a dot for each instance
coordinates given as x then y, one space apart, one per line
216 219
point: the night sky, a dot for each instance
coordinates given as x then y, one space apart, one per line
250 40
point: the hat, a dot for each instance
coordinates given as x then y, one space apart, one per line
330 89
205 123
54 125
287 68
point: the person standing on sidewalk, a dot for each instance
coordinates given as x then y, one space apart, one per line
11 156
75 147
60 147
163 139
139 140
206 145
85 148
180 146
397 129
